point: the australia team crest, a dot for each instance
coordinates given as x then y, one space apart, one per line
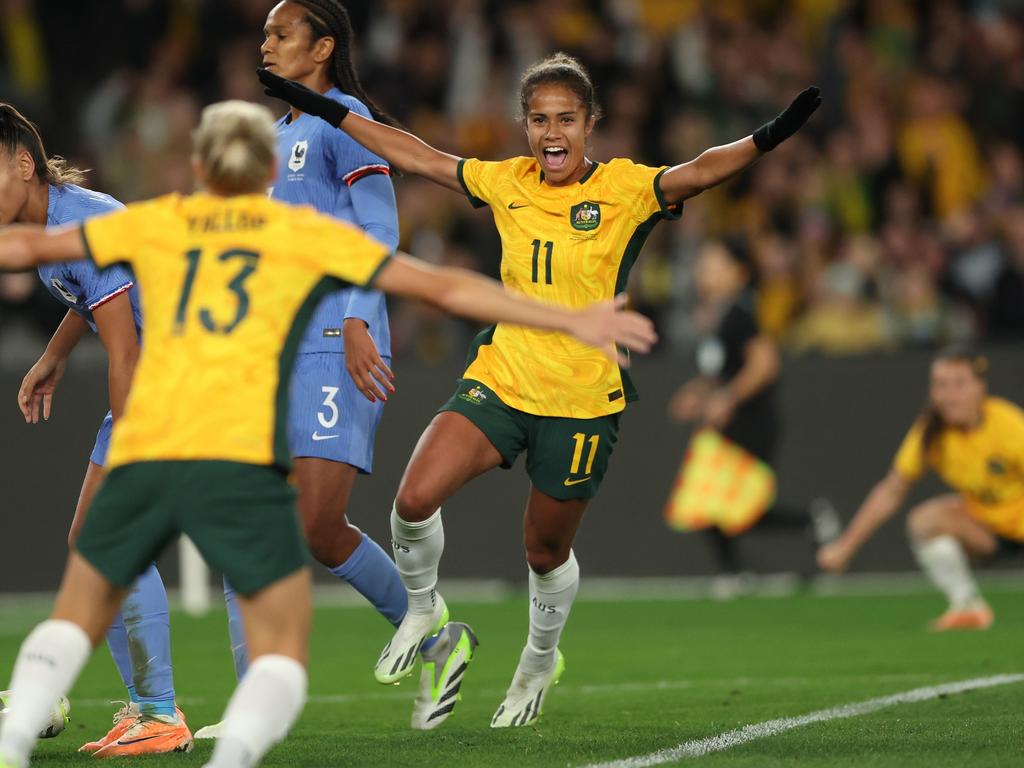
586 216
298 157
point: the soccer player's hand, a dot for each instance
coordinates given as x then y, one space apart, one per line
609 322
302 98
688 401
792 119
834 557
719 408
38 386
364 363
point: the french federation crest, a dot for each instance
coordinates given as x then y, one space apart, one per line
585 217
298 156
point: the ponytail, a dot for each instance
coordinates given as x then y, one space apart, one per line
17 132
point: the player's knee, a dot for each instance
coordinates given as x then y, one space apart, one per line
924 522
415 502
545 558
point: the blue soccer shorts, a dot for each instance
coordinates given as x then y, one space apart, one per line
328 418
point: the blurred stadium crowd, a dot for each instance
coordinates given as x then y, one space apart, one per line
896 219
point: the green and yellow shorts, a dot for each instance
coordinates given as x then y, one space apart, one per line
241 517
565 458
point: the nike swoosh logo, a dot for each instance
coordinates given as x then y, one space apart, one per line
318 438
514 207
569 482
137 741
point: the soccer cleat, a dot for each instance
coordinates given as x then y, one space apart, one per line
444 664
524 701
124 719
977 617
209 731
150 735
398 657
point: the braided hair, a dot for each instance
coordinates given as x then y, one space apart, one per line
329 18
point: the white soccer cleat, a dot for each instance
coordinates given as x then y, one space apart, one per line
60 715
444 665
524 701
209 731
399 656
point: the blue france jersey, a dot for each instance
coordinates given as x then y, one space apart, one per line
317 165
78 285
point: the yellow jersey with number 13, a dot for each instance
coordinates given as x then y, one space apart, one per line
227 286
572 246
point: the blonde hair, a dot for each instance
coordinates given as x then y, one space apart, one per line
235 143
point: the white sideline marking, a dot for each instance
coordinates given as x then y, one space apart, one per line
729 739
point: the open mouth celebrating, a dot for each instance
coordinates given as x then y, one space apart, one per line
555 157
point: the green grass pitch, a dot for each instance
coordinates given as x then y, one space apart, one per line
640 676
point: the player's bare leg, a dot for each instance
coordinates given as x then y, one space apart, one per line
943 535
269 699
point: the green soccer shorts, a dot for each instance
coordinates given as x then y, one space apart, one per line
565 458
241 517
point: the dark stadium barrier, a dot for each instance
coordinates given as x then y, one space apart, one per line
843 418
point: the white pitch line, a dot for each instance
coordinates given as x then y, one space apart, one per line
748 733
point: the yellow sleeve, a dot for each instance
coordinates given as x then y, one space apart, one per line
343 251
641 185
113 238
909 462
477 178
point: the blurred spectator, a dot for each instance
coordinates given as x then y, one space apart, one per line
896 219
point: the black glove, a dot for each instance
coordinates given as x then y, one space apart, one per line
302 98
773 133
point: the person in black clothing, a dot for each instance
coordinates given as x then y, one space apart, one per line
736 391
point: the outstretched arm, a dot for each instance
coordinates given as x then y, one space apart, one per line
715 165
23 246
399 148
466 293
881 504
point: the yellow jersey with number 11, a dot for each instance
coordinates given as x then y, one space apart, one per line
572 246
227 287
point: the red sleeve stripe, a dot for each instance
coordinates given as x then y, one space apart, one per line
113 294
352 177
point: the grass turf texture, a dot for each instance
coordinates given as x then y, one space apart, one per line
640 676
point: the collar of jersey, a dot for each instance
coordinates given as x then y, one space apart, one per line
583 178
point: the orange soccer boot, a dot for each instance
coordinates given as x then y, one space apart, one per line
124 719
150 735
976 617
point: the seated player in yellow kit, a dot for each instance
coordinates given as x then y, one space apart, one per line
975 443
228 278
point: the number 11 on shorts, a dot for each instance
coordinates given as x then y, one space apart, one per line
581 441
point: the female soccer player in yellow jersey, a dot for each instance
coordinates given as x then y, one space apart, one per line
975 443
571 229
229 278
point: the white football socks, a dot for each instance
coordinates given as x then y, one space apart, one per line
551 597
945 562
418 548
262 710
48 664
